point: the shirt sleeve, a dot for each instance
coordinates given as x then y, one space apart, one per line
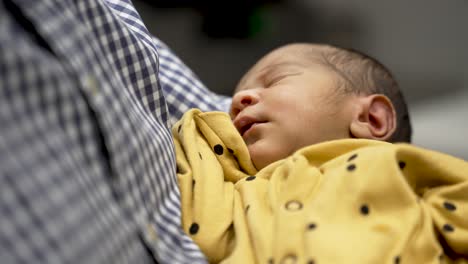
181 88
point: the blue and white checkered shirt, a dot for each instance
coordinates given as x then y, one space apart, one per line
87 166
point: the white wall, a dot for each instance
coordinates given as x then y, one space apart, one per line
442 124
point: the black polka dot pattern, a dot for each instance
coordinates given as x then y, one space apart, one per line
450 206
194 228
365 209
448 228
311 226
401 164
351 167
294 205
218 149
352 157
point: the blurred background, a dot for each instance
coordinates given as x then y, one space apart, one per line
423 42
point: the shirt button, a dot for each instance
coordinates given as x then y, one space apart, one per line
289 259
152 235
293 205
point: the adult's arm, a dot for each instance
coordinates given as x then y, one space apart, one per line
182 89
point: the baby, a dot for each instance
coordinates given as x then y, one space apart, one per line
300 171
302 94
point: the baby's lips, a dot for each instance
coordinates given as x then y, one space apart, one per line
243 122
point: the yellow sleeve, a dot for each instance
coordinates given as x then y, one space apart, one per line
207 168
442 183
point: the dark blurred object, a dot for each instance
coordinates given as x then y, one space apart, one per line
238 19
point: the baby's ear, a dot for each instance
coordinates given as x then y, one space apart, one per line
374 119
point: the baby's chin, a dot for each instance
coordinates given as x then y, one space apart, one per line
263 156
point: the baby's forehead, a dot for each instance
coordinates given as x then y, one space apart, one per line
266 70
289 58
296 55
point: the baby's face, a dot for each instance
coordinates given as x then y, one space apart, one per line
283 104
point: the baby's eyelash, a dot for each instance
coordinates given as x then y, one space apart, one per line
271 81
280 77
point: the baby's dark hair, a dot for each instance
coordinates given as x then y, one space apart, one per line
362 74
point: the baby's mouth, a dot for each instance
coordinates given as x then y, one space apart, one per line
246 128
245 123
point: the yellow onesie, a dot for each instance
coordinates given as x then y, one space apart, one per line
344 201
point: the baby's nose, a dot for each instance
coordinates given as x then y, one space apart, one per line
241 100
